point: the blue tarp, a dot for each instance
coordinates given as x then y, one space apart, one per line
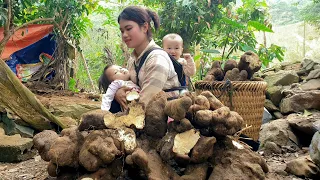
30 54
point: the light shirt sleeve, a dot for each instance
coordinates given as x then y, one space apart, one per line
108 97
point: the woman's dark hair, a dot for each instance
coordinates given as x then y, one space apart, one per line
104 81
140 16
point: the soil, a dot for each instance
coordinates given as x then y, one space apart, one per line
36 168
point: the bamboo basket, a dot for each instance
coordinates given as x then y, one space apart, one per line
248 99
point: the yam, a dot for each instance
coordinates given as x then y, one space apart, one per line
235 75
178 108
196 171
250 62
93 120
165 146
203 149
213 101
229 65
64 151
181 126
43 141
201 103
185 141
156 119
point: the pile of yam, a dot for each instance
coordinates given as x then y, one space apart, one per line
235 71
192 137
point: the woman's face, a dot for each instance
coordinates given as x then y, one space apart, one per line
133 34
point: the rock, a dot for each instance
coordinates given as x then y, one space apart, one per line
307 66
306 124
277 131
301 100
312 84
2 132
314 149
270 106
274 94
278 115
271 148
282 78
15 149
68 121
316 66
303 167
266 116
314 74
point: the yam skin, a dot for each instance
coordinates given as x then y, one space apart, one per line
43 141
213 101
229 65
178 108
98 149
235 75
181 126
93 120
203 149
201 103
52 169
196 171
215 73
165 146
156 119
250 62
203 118
64 151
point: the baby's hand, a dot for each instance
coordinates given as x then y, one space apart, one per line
187 56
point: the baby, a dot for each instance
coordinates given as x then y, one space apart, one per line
173 45
113 78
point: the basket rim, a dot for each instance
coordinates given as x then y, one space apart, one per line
237 85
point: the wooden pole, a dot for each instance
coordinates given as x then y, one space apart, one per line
87 69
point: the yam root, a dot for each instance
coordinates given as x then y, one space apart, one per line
185 141
43 141
178 108
98 149
215 73
196 171
250 62
128 137
181 126
229 65
135 118
165 146
203 149
235 75
231 162
52 169
156 119
93 120
201 103
64 151
221 121
213 101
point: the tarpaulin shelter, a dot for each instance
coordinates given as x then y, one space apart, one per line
27 45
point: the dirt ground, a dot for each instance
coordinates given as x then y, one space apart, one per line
36 168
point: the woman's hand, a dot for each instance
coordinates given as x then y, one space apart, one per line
120 97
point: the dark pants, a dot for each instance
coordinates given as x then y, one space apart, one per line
115 107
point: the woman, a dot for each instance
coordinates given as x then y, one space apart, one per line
157 73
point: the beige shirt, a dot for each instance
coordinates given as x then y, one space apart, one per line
156 74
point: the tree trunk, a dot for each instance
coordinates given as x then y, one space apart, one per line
16 98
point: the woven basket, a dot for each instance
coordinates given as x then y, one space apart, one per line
247 99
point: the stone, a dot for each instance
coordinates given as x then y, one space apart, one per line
68 121
303 167
266 116
15 149
314 148
271 148
300 100
270 106
279 132
307 66
316 66
274 94
314 74
278 115
282 78
312 84
306 124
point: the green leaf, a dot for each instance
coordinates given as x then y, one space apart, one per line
211 51
258 26
232 23
246 48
